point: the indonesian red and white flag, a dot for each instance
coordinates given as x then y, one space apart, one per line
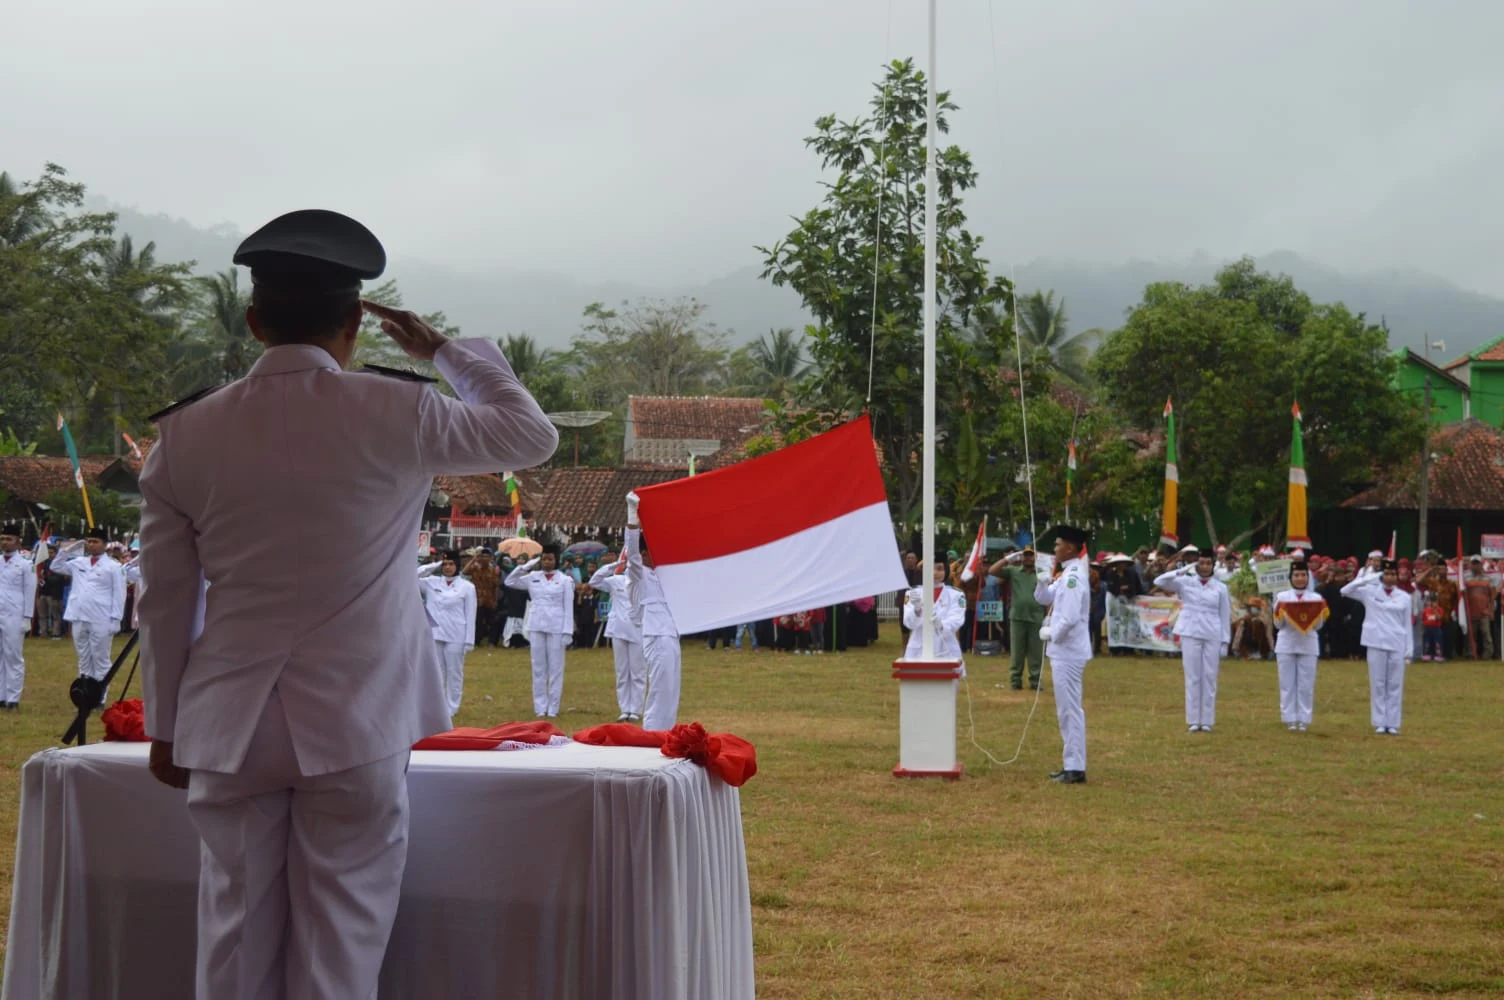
978 553
804 527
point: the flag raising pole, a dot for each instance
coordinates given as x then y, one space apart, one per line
931 184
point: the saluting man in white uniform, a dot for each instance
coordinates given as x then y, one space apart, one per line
1205 628
950 615
1390 641
1067 637
96 602
550 625
1297 645
18 599
660 636
626 640
291 717
450 600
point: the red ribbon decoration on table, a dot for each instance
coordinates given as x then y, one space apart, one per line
125 722
473 738
728 757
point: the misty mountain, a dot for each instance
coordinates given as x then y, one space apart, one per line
548 306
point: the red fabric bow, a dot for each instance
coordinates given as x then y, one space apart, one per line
125 722
472 738
728 757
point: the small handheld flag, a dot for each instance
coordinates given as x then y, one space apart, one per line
978 553
78 472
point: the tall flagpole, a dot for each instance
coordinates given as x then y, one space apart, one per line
931 183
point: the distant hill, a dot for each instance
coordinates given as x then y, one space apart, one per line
548 306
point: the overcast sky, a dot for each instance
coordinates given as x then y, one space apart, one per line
656 141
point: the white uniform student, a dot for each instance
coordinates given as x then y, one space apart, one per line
18 598
626 641
1205 628
950 615
1067 636
96 602
1297 651
450 600
291 717
660 636
550 626
1390 641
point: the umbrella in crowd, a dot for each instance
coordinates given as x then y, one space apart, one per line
516 547
585 549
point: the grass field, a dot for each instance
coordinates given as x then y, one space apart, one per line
1250 862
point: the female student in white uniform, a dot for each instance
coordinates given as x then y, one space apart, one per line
1390 641
950 615
450 599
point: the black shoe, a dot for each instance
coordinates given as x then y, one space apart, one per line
1016 686
1034 686
1070 778
1056 775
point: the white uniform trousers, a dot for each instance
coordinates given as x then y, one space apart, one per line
631 676
662 654
1297 686
452 662
1066 676
1202 658
299 877
547 649
92 641
1386 686
12 665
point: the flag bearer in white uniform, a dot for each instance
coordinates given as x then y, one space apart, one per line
626 640
950 615
18 599
1390 640
660 636
450 599
1205 628
96 602
1299 614
1067 637
290 718
550 625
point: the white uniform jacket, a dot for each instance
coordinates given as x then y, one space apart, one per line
451 606
97 595
553 599
1205 606
649 606
296 493
950 615
1386 618
18 586
619 623
1069 598
1289 640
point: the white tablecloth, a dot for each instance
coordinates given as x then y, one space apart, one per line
575 871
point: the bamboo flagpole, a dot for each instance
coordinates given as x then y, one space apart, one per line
78 472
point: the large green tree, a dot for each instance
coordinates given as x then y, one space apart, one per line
1234 355
653 348
857 261
1044 332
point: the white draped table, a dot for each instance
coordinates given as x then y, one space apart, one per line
574 871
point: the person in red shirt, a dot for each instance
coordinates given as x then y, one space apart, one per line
1432 618
1482 598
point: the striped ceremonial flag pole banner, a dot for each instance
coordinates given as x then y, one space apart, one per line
804 527
1171 514
78 472
1296 534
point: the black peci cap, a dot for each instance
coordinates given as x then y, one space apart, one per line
14 530
1390 566
313 248
1074 535
99 533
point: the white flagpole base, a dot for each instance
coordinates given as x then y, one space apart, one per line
927 718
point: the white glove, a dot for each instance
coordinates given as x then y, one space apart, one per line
1045 633
632 501
532 562
1225 647
468 647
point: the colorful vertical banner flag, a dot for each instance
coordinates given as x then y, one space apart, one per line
515 495
1171 513
78 472
135 448
1070 472
1297 535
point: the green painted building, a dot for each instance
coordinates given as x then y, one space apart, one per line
1450 392
1483 373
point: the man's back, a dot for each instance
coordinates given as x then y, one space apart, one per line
303 487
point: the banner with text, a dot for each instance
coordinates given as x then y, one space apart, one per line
1142 623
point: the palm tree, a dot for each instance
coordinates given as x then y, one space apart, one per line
220 347
525 356
1045 332
19 218
778 357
